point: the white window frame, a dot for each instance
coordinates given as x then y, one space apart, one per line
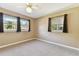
58 21
9 18
27 26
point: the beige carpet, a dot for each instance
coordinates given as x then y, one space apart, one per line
37 48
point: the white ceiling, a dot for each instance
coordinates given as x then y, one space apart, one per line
43 8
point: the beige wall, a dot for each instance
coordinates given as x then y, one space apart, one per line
71 38
39 28
12 37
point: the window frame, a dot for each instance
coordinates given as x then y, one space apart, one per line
65 24
14 30
28 25
18 29
57 21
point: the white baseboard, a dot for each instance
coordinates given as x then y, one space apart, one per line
59 44
16 42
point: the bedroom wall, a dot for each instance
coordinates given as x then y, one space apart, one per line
71 38
12 37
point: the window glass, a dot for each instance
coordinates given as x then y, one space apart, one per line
57 24
24 24
9 23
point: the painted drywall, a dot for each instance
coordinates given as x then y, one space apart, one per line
12 37
71 38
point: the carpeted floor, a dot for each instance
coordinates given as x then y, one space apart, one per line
37 48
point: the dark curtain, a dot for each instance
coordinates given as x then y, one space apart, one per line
18 24
65 27
29 26
49 25
1 22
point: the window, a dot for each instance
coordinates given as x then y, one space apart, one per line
57 24
13 24
24 24
9 23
